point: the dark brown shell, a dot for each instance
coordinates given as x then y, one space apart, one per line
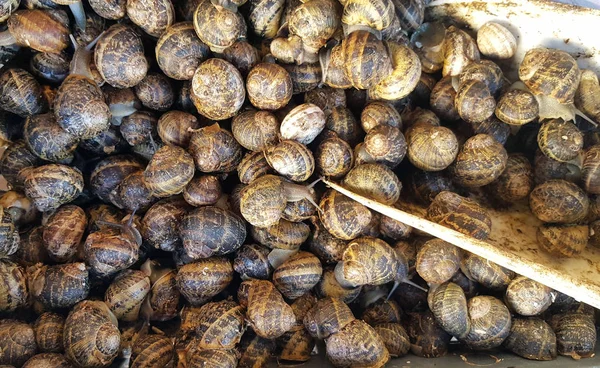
334 69
474 101
212 358
169 171
203 190
126 293
559 201
326 246
305 77
49 332
152 351
48 140
268 314
242 55
375 181
53 185
108 142
110 250
253 166
137 127
264 17
327 317
162 302
334 158
449 306
20 93
15 158
531 338
215 149
160 223
393 229
490 323
173 127
394 337
383 311
179 51
437 261
427 338
63 232
283 235
91 335
404 77
217 26
59 286
41 30
109 9
357 344
326 98
575 335
17 343
291 159
13 286
252 262
563 240
527 297
517 107
154 16
546 169
155 92
590 172
442 100
269 86
220 325
560 140
550 72
516 182
297 275
31 248
341 121
296 346
79 107
367 261
255 130
366 59
486 273
109 172
53 67
119 56
431 148
479 162
426 185
461 214
199 281
9 233
494 127
343 217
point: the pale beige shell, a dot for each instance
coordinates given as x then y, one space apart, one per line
496 42
303 124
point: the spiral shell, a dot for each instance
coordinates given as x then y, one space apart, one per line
63 232
376 14
490 323
218 27
112 9
560 140
486 273
291 159
437 261
126 293
329 287
13 284
357 344
49 332
342 122
59 286
315 22
269 86
527 297
255 130
480 161
154 17
109 172
110 250
218 90
252 261
394 337
264 17
173 127
215 149
17 343
516 182
366 59
460 50
303 123
474 102
563 240
375 181
367 260
31 248
263 201
169 171
48 140
297 275
461 214
41 30
242 55
220 325
162 303
517 107
179 51
20 93
51 67
383 311
343 217
495 41
531 338
587 97
268 314
449 306
334 158
559 201
9 233
155 92
199 281
575 335
212 358
404 77
53 185
152 351
427 338
431 148
161 221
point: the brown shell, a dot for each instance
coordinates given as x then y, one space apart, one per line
394 337
296 346
305 77
9 233
559 201
517 107
342 122
255 130
442 100
155 92
563 240
404 77
17 344
490 323
449 306
460 49
119 56
59 286
516 182
109 9
486 273
173 127
383 311
560 140
169 171
154 16
52 67
460 214
386 144
49 332
47 139
531 338
199 281
242 55
315 22
474 102
590 172
343 217
334 69
527 297
160 223
212 358
110 250
217 26
218 90
252 262
326 98
109 172
162 302
431 148
484 71
427 338
31 248
327 318
575 335
152 351
329 287
299 210
282 235
495 41
220 325
303 123
203 190
587 97
15 158
264 17
366 60
357 344
297 275
422 92
126 293
53 185
291 159
41 30
326 246
376 14
367 261
179 51
63 232
91 335
269 86
437 261
268 314
546 169
479 162
550 72
375 181
425 185
263 201
137 127
20 93
215 149
253 166
334 158
13 286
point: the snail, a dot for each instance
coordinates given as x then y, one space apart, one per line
169 171
220 325
545 169
216 273
495 41
380 113
365 69
527 297
152 351
212 358
377 14
91 335
342 217
531 338
560 140
114 9
51 67
327 247
297 275
283 235
9 233
559 201
48 330
14 286
490 323
242 55
492 126
20 93
357 344
138 127
119 56
375 181
303 123
383 311
31 248
442 100
252 262
291 159
331 62
152 17
383 144
126 293
63 232
426 185
314 22
589 170
516 182
449 306
437 261
41 30
297 344
17 342
52 185
203 190
461 214
422 91
269 86
59 286
326 98
267 313
179 51
460 49
479 162
291 50
162 302
575 335
484 71
327 317
486 273
474 102
109 172
214 149
329 287
265 16
173 127
252 166
404 77
46 139
367 260
431 148
517 107
155 92
255 130
222 34
394 337
334 158
586 96
427 338
299 211
342 122
563 240
161 221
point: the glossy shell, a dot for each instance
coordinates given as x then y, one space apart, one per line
252 261
220 325
575 335
217 26
366 59
343 217
394 337
215 149
527 297
109 172
242 55
283 235
531 338
449 306
297 275
113 9
437 261
268 314
314 22
486 273
479 162
490 323
59 286
179 51
53 185
474 102
218 90
169 171
327 317
53 67
560 140
154 16
126 293
460 50
329 287
264 17
431 148
334 158
199 281
375 181
269 86
404 77
303 123
63 232
442 100
517 107
342 122
155 92
20 93
291 159
495 41
427 338
563 240
559 201
255 130
110 250
461 214
41 30
173 127
516 182
48 140
367 261
13 284
357 344
152 351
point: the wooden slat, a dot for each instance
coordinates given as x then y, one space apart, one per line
512 244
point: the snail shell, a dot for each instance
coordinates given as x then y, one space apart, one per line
296 345
517 107
326 98
493 127
386 144
199 281
126 293
160 223
253 166
531 338
41 30
203 190
342 122
442 100
154 17
137 127
174 127
333 69
215 149
426 185
334 158
484 71
314 22
394 337
559 201
263 201
516 182
252 262
383 311
560 140
20 93
264 17
479 162
63 232
179 51
486 273
169 171
52 67
551 73
461 214
431 148
218 90
17 343
490 323
217 26
49 332
283 235
212 358
343 217
242 55
357 344
575 335
546 169
152 351
367 260
366 59
91 335
297 275
329 287
375 181
327 317
53 185
404 77
460 49
269 86
449 306
255 130
563 240
111 9
155 92
8 8
303 124
376 14
9 233
327 247
31 248
289 50
527 297
305 77
590 175
427 338
474 102
437 261
268 314
291 159
59 286
119 57
220 325
13 284
110 250
380 113
495 41
162 303
587 97
109 172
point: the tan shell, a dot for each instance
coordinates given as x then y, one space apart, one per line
563 240
152 350
326 98
479 162
109 9
431 148
449 306
486 273
48 140
126 293
41 30
217 26
495 41
404 77
437 261
357 344
517 107
203 190
490 323
461 214
268 313
214 149
380 113
264 17
152 16
587 97
173 127
20 93
527 297
155 92
376 14
394 337
531 338
242 55
315 22
18 343
269 86
220 325
590 174
560 140
559 201
291 159
334 158
255 130
199 281
212 358
49 332
375 181
516 182
474 102
53 185
367 261
263 201
110 250
303 124
283 235
59 286
13 285
343 217
179 51
460 50
297 275
366 59
169 171
329 287
64 231
327 317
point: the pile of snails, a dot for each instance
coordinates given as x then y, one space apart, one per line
164 205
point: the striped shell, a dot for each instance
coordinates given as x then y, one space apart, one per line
375 181
480 161
283 235
495 41
343 217
404 77
559 201
367 261
590 173
357 344
563 240
152 16
199 281
59 286
215 150
220 325
490 323
264 17
461 214
269 86
253 166
366 59
53 185
449 306
20 93
218 90
49 332
13 286
303 124
217 26
437 261
63 232
173 127
376 14
152 351
297 275
47 140
169 171
125 295
255 130
179 51
517 107
291 159
268 313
